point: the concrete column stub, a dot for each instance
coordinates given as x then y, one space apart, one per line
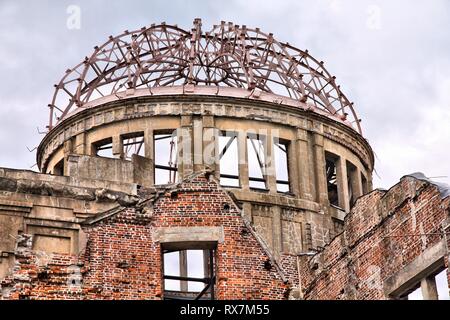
117 146
276 230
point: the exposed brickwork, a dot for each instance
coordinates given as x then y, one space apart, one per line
38 275
384 232
122 260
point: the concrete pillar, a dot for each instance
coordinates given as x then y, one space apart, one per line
91 150
344 199
217 151
303 175
369 181
293 173
247 209
80 144
117 146
319 168
357 183
183 270
270 177
211 145
185 147
149 147
68 149
364 183
243 160
206 272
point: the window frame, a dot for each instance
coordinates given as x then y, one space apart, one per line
209 281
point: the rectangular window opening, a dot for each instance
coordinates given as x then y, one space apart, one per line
189 274
166 158
280 150
256 161
133 144
416 294
229 160
331 174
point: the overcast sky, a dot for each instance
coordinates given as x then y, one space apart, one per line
392 58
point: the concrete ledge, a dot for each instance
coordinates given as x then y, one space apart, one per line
15 206
427 263
189 237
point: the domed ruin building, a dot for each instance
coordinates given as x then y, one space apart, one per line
220 164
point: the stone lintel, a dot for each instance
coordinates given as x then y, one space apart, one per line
189 237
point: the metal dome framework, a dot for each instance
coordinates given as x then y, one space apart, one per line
227 56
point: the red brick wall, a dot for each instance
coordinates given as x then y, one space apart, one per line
38 275
384 232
